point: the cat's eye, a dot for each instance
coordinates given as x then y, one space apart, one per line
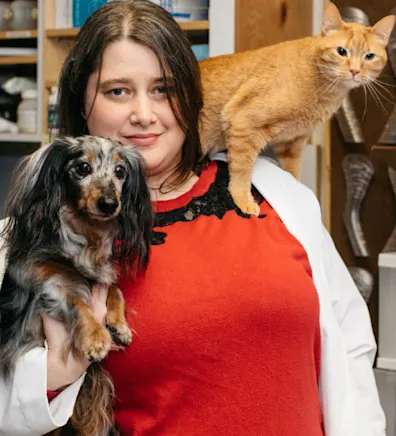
341 51
370 56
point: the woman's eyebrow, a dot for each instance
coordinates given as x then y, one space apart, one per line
125 81
116 81
158 80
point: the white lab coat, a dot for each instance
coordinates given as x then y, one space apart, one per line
348 393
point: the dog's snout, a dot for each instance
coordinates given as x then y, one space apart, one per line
107 205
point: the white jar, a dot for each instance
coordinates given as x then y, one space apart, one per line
27 112
24 14
5 16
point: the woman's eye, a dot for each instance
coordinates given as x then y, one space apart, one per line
341 51
370 56
119 172
84 169
161 90
117 91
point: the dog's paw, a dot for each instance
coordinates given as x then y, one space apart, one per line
96 344
120 333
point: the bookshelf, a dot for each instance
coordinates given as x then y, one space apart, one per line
18 34
18 60
191 26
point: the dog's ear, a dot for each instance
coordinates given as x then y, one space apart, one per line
37 192
136 216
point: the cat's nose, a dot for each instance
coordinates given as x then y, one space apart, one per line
354 72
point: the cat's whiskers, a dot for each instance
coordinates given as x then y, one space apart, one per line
375 96
375 82
330 88
382 86
385 83
365 104
323 70
323 66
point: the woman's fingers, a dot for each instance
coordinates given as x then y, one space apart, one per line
98 302
55 332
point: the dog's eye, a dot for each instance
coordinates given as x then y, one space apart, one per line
119 172
84 169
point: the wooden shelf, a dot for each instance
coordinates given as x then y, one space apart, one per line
20 137
50 83
18 60
194 25
71 33
62 33
18 34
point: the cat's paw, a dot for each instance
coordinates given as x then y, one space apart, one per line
247 205
249 208
245 201
96 344
120 333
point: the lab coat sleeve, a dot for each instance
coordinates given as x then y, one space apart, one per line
353 317
24 408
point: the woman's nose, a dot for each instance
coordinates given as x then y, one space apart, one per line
142 111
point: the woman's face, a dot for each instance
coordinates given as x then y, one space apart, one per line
131 106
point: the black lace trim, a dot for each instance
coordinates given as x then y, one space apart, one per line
216 201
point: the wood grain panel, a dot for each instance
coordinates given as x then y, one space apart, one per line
266 22
378 212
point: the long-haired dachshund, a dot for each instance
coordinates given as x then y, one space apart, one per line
79 211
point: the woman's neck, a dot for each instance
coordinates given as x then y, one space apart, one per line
163 193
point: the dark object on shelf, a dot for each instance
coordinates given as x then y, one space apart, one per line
388 135
346 115
9 105
390 246
351 14
358 172
364 281
349 123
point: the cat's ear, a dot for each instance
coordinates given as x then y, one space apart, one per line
384 28
331 19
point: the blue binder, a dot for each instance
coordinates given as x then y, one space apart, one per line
82 9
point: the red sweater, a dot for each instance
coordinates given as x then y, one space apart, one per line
227 322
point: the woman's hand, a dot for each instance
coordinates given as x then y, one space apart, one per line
61 373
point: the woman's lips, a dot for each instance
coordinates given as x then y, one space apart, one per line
143 139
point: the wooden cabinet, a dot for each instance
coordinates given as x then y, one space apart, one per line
238 25
378 210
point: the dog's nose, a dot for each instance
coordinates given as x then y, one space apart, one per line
107 205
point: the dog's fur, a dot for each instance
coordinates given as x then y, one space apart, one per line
79 210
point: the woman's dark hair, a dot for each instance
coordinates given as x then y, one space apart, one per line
146 23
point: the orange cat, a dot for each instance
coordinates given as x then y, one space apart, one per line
274 95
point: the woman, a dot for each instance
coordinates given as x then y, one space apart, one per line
245 325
